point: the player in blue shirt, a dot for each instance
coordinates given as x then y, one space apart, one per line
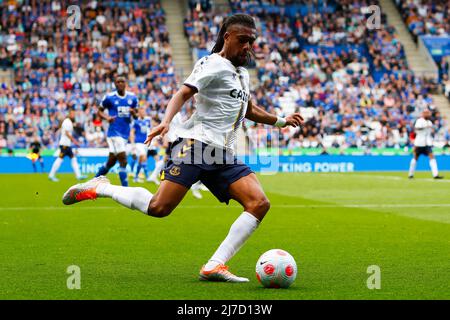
121 106
139 133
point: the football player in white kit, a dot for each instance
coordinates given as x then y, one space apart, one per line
423 144
65 143
220 84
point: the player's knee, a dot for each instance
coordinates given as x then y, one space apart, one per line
159 210
265 205
259 207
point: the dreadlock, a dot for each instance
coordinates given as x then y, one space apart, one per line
238 18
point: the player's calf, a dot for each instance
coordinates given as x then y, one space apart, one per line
107 166
103 170
166 199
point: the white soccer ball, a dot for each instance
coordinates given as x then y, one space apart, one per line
276 268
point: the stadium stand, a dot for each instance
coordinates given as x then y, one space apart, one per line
352 84
201 26
429 17
56 67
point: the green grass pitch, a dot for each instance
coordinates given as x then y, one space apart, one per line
335 226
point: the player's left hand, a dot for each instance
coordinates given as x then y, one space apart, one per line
159 130
294 120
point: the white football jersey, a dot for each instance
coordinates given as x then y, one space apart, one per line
423 129
67 126
221 101
176 122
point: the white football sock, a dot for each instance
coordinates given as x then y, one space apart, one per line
132 198
412 167
75 167
434 167
158 167
55 167
239 232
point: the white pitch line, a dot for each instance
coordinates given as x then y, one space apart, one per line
400 178
423 205
381 177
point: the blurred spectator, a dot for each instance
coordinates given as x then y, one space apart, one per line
56 67
361 95
446 85
352 85
430 17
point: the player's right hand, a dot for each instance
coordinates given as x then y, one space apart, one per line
111 119
294 120
159 130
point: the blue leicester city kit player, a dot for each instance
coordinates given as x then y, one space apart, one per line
121 106
139 132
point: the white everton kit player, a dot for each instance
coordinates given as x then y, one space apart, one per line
65 149
423 144
204 148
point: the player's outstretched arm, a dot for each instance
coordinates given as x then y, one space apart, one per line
174 106
260 115
74 141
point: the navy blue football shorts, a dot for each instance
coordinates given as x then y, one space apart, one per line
65 151
192 160
426 151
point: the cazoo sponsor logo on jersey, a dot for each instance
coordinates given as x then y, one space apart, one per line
239 94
